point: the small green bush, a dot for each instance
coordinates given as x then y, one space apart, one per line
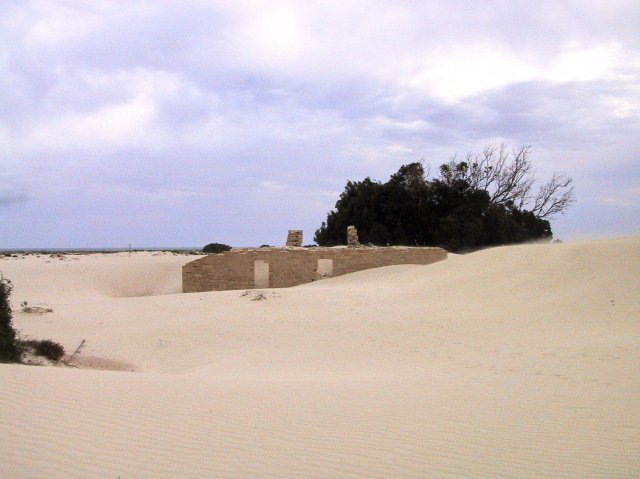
46 348
9 348
216 248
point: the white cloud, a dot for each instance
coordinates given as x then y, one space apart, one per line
129 118
577 63
57 26
114 126
453 74
276 36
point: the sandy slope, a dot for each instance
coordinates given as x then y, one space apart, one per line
510 362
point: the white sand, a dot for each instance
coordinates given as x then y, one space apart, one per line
510 362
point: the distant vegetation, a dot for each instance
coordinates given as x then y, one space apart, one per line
487 199
12 348
216 248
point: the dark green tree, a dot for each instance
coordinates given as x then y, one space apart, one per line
9 347
469 204
358 205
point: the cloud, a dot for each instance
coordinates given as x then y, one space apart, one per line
275 105
8 198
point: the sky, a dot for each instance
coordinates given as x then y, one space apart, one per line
180 123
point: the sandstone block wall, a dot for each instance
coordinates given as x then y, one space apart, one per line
293 266
294 238
352 236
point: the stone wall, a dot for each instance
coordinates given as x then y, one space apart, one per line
352 237
294 238
292 266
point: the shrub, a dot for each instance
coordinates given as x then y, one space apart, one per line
9 347
216 248
46 348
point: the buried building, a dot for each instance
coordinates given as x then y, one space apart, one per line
249 268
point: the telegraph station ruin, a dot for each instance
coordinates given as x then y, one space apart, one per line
271 267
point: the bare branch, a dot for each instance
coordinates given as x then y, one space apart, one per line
554 197
515 179
508 177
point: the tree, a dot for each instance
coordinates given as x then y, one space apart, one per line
509 177
554 197
9 347
216 248
485 200
360 205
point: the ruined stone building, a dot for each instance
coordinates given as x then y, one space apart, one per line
271 267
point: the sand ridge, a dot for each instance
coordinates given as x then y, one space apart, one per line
513 361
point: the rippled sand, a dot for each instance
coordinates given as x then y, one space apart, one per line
510 362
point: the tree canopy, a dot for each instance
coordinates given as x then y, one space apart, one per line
482 201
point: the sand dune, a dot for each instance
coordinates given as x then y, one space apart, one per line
510 362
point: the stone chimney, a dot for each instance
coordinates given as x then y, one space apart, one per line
352 237
294 238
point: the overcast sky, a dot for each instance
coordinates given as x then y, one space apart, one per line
162 123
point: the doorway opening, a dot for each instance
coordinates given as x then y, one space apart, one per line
261 274
325 268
